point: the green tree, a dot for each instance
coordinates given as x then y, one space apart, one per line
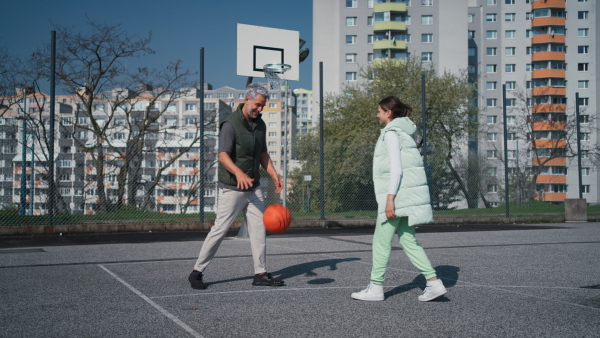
351 129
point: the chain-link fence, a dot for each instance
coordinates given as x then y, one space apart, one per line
135 163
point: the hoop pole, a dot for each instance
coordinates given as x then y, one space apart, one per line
285 141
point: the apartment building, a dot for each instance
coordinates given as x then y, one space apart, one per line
543 52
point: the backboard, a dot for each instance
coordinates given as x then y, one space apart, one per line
258 46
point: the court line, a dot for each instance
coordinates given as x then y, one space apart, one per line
156 306
465 282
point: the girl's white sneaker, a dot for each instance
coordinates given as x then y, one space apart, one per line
373 292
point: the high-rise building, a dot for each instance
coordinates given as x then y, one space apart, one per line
544 52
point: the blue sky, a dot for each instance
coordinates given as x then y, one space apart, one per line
179 28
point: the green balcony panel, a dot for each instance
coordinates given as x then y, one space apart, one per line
389 7
389 44
389 26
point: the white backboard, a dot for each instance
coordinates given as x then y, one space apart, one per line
258 46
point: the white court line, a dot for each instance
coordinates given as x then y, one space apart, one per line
253 291
499 288
158 307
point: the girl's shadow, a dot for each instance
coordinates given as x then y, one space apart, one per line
447 273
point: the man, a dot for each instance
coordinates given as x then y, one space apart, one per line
242 150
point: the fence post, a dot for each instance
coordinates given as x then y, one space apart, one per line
201 146
506 192
321 143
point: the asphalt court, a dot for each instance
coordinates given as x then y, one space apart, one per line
521 280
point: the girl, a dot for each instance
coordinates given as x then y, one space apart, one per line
402 197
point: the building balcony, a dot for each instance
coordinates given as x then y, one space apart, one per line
389 26
552 179
548 73
389 44
550 143
549 126
558 161
543 56
537 91
383 61
548 21
551 196
549 108
391 7
548 4
548 38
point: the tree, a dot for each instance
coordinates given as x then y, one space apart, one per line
351 128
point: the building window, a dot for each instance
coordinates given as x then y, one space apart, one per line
272 105
370 57
491 34
492 154
351 21
582 49
350 57
584 101
585 171
509 2
490 68
510 119
491 85
426 2
510 68
370 3
427 56
351 3
582 32
584 119
492 137
491 102
511 103
350 39
491 2
510 51
583 84
585 189
511 85
583 15
529 16
370 39
470 17
272 124
427 19
350 76
582 67
509 16
190 106
490 119
491 17
369 21
510 34
490 51
511 136
427 38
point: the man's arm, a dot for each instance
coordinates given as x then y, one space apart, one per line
244 181
265 161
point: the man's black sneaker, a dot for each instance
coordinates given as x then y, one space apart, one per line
266 279
195 279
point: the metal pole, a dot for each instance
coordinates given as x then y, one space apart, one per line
32 180
578 145
285 143
201 150
424 127
321 143
51 136
505 151
23 158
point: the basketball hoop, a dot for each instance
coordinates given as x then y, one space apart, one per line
272 72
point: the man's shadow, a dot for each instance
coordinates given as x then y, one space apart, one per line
303 269
447 273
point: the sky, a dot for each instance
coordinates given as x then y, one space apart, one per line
179 29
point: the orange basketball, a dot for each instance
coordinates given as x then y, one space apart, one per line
277 218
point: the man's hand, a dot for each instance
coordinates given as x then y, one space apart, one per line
244 182
278 183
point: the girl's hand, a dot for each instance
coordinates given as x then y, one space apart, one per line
390 212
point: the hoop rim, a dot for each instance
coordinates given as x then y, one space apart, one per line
276 68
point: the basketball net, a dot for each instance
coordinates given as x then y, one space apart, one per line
272 73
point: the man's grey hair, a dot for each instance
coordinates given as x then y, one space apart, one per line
254 89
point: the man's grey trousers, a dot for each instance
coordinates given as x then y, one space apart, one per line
230 204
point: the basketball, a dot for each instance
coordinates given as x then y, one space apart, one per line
277 218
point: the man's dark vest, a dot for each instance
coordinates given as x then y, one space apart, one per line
247 149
